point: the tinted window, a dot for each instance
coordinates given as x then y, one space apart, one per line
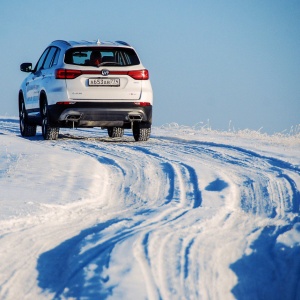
110 56
55 60
50 58
41 60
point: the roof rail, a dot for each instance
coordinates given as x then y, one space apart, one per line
122 43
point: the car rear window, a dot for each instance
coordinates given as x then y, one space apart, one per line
110 56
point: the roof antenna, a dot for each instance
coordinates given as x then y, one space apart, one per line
98 42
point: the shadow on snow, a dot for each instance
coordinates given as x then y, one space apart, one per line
217 186
71 271
272 270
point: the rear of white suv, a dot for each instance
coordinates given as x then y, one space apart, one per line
69 88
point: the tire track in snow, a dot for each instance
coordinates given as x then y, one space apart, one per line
180 176
187 172
274 193
172 217
261 167
183 180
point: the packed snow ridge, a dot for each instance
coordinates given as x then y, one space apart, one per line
190 214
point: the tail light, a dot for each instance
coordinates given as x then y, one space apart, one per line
67 74
139 74
142 103
72 74
65 102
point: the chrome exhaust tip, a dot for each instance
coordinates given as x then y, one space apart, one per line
135 117
72 118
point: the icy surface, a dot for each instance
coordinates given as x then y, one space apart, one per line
190 214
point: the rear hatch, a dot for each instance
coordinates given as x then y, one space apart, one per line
116 75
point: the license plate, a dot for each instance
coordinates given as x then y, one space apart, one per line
104 81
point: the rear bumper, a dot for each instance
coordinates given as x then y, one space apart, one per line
87 114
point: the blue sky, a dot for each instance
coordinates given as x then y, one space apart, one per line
229 62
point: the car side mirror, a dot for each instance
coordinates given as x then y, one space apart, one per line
26 67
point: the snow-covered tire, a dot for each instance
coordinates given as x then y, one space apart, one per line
48 132
141 131
25 128
114 132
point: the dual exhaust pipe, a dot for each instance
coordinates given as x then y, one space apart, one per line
132 117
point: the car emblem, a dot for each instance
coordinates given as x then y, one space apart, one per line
105 72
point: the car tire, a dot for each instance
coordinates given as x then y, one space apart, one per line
48 132
114 132
26 129
141 131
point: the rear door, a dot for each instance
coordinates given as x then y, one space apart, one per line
107 81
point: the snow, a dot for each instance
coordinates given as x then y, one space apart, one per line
191 214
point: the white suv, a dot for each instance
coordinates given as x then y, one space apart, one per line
86 84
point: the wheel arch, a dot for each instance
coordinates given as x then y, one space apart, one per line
42 99
20 99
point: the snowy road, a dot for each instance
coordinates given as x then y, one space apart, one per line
187 215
